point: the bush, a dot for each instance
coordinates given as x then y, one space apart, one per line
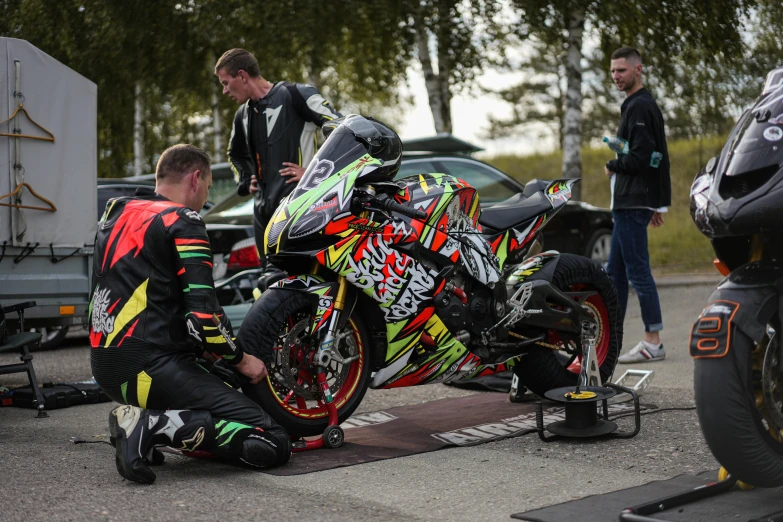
677 246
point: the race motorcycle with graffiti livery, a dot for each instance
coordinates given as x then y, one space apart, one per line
408 282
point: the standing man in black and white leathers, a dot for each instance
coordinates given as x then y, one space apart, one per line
273 138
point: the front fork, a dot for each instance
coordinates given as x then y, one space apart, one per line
590 375
333 437
327 350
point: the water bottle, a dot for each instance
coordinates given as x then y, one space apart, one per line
655 159
618 145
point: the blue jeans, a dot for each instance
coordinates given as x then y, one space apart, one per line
629 260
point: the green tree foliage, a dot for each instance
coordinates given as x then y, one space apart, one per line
356 51
692 51
540 96
465 35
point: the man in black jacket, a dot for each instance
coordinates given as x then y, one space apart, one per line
273 138
153 309
641 189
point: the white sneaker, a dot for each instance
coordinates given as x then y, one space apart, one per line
641 353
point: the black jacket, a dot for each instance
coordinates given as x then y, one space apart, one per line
279 127
638 184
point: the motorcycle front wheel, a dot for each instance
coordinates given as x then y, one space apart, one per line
290 394
739 400
550 366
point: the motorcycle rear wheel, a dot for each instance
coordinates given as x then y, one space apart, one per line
297 404
741 425
544 369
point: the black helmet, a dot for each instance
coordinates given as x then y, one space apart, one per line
738 192
378 139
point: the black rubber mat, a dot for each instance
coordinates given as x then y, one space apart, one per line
735 505
408 430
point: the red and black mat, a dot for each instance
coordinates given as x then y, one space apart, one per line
408 430
735 505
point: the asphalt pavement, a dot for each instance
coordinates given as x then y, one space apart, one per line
45 477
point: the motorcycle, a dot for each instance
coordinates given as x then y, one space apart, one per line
736 201
408 282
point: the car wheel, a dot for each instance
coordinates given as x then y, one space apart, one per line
599 245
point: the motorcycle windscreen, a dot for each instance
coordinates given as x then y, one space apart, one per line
340 150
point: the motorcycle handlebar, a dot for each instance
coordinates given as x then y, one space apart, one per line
389 204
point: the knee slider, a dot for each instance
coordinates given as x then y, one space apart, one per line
263 449
197 432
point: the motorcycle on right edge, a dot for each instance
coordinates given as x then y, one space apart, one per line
737 202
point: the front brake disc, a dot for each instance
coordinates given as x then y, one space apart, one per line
295 357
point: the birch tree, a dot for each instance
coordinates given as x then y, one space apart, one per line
454 40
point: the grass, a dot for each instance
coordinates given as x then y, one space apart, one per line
677 246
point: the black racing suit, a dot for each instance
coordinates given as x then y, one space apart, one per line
280 127
153 308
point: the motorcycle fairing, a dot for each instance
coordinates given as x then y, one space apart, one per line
752 288
396 281
510 246
407 366
711 333
305 213
451 228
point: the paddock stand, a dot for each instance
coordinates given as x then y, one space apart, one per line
333 436
581 408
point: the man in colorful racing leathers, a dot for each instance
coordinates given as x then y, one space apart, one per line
153 310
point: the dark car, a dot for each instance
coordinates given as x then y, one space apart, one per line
109 188
577 229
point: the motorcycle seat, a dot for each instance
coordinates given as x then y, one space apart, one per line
514 211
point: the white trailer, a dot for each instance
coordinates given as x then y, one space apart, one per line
48 173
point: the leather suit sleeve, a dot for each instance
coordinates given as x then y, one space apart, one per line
239 156
205 319
315 108
641 142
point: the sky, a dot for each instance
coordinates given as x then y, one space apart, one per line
469 113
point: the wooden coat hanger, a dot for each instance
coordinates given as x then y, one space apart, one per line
12 135
18 189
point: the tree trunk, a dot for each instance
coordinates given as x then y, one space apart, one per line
431 80
572 133
444 73
138 132
217 127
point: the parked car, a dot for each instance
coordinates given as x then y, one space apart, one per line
579 228
109 188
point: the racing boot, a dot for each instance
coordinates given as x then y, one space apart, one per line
154 457
137 431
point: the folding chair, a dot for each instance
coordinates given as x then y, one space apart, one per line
20 342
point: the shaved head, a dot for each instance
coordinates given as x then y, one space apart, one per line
631 55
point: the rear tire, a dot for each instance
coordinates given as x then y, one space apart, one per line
279 312
544 369
733 426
